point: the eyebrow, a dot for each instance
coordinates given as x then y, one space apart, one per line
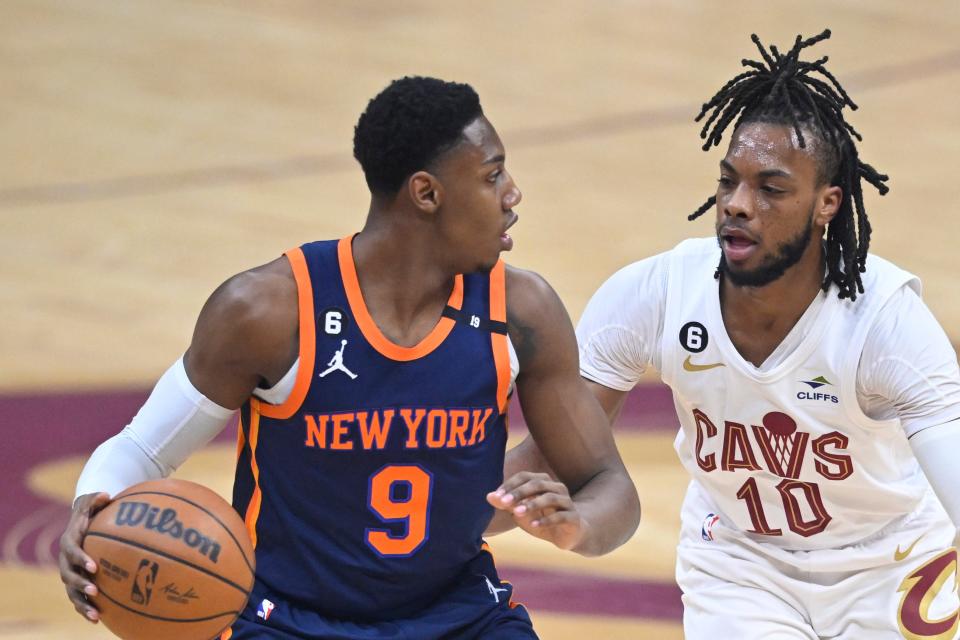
495 159
767 173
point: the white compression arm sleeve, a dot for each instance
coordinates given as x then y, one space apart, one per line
175 421
937 450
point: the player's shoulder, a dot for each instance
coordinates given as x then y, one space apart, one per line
259 287
697 247
259 300
527 291
882 279
645 277
882 269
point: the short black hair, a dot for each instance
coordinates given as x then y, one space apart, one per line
408 125
782 89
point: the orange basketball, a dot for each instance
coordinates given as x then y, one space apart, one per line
173 561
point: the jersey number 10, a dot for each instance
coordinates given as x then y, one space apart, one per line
788 490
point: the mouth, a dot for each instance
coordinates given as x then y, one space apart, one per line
737 244
506 242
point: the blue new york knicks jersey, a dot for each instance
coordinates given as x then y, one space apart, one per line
365 492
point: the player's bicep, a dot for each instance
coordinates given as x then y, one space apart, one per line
217 362
611 400
246 334
908 362
566 421
621 326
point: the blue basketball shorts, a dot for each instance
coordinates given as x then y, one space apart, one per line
478 605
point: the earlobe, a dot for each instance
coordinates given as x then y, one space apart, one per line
425 191
830 203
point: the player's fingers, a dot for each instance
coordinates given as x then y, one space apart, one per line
545 501
531 486
545 493
76 582
82 605
90 503
70 550
506 490
556 518
496 500
539 486
74 578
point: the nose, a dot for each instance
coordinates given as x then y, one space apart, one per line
512 196
739 202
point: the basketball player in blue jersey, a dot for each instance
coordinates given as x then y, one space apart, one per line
372 375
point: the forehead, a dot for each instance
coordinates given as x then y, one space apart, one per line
481 134
762 147
478 144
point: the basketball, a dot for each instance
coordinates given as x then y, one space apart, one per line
173 561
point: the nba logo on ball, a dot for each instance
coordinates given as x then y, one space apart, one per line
706 531
266 608
143 582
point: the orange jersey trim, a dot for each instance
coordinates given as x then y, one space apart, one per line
308 340
369 328
227 634
501 352
253 508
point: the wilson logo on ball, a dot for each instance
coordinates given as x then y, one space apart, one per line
142 514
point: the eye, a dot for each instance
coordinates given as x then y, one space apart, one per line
493 176
724 181
771 189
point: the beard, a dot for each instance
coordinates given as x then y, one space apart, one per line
773 266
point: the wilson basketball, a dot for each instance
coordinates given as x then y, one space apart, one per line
173 561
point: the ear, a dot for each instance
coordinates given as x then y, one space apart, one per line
425 191
828 204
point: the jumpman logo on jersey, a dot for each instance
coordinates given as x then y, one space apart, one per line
495 592
336 363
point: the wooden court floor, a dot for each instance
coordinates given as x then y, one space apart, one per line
150 149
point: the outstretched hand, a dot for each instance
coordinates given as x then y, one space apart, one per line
542 507
76 567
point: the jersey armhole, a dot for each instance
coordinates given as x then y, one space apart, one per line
501 349
851 368
673 270
307 333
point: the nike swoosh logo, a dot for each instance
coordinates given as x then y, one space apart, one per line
689 366
901 555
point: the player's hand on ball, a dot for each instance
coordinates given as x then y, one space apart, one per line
542 507
76 567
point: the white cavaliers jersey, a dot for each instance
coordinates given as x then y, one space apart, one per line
786 454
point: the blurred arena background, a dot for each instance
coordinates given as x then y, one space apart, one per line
150 149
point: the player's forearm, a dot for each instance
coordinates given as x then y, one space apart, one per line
175 421
610 509
936 449
525 456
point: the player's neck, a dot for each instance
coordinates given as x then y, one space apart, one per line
404 286
757 319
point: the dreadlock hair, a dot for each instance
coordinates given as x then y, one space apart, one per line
782 89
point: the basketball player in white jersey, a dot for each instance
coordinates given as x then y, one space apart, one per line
818 398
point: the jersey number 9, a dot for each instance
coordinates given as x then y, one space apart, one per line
400 493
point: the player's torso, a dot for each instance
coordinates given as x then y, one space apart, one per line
786 454
369 496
